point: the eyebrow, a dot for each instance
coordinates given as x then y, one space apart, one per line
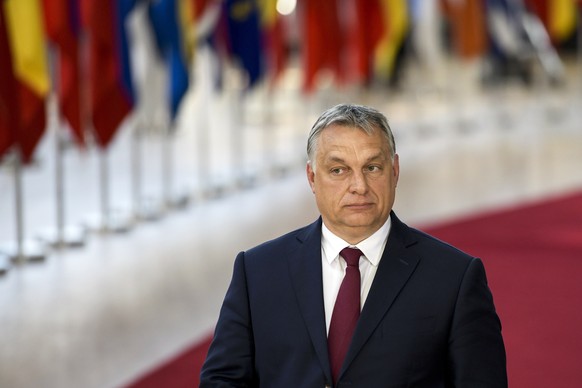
338 159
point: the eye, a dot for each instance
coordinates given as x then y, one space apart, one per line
337 170
373 168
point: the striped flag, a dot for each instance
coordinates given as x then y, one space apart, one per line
26 39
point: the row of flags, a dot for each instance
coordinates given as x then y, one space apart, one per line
79 49
88 45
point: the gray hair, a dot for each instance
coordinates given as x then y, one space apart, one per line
349 115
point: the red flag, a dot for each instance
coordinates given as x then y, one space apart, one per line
26 40
8 104
62 26
469 34
109 101
322 40
367 29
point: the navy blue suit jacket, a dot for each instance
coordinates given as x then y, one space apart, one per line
428 321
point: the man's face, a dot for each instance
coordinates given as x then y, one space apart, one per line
354 181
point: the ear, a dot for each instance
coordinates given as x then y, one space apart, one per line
310 176
396 169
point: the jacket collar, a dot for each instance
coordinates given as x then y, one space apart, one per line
396 267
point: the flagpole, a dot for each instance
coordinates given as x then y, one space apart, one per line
273 167
171 199
268 138
206 100
237 138
104 190
109 222
59 190
205 189
19 253
167 178
242 177
63 235
136 182
23 250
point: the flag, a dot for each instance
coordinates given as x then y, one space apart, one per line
110 85
562 15
396 22
244 36
8 104
62 23
166 19
468 30
274 38
26 39
366 31
322 40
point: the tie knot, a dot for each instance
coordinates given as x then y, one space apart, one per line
351 255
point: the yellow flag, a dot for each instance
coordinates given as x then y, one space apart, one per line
26 36
395 14
562 19
268 12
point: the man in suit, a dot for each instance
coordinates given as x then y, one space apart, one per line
423 316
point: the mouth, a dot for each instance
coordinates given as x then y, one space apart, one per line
359 206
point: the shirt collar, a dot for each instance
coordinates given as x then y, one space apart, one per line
372 247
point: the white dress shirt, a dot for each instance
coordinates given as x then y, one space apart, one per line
334 268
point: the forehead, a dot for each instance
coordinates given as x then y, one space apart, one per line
336 138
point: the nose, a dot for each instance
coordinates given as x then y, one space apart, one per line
358 183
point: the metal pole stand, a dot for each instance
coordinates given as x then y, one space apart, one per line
4 264
172 200
107 221
144 209
22 250
63 235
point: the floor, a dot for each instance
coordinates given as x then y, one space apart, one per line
100 314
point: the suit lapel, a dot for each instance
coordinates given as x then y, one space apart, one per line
394 270
306 276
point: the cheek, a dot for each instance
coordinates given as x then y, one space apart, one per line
329 194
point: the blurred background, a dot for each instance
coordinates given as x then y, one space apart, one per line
144 143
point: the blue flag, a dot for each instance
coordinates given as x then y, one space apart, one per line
244 35
164 19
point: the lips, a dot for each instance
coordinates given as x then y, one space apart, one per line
357 206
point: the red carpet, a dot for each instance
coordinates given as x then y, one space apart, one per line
533 257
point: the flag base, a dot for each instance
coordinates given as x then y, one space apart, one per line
4 264
114 222
71 236
29 251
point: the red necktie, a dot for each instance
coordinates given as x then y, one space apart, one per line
346 312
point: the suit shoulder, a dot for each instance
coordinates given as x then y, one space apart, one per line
281 243
429 244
